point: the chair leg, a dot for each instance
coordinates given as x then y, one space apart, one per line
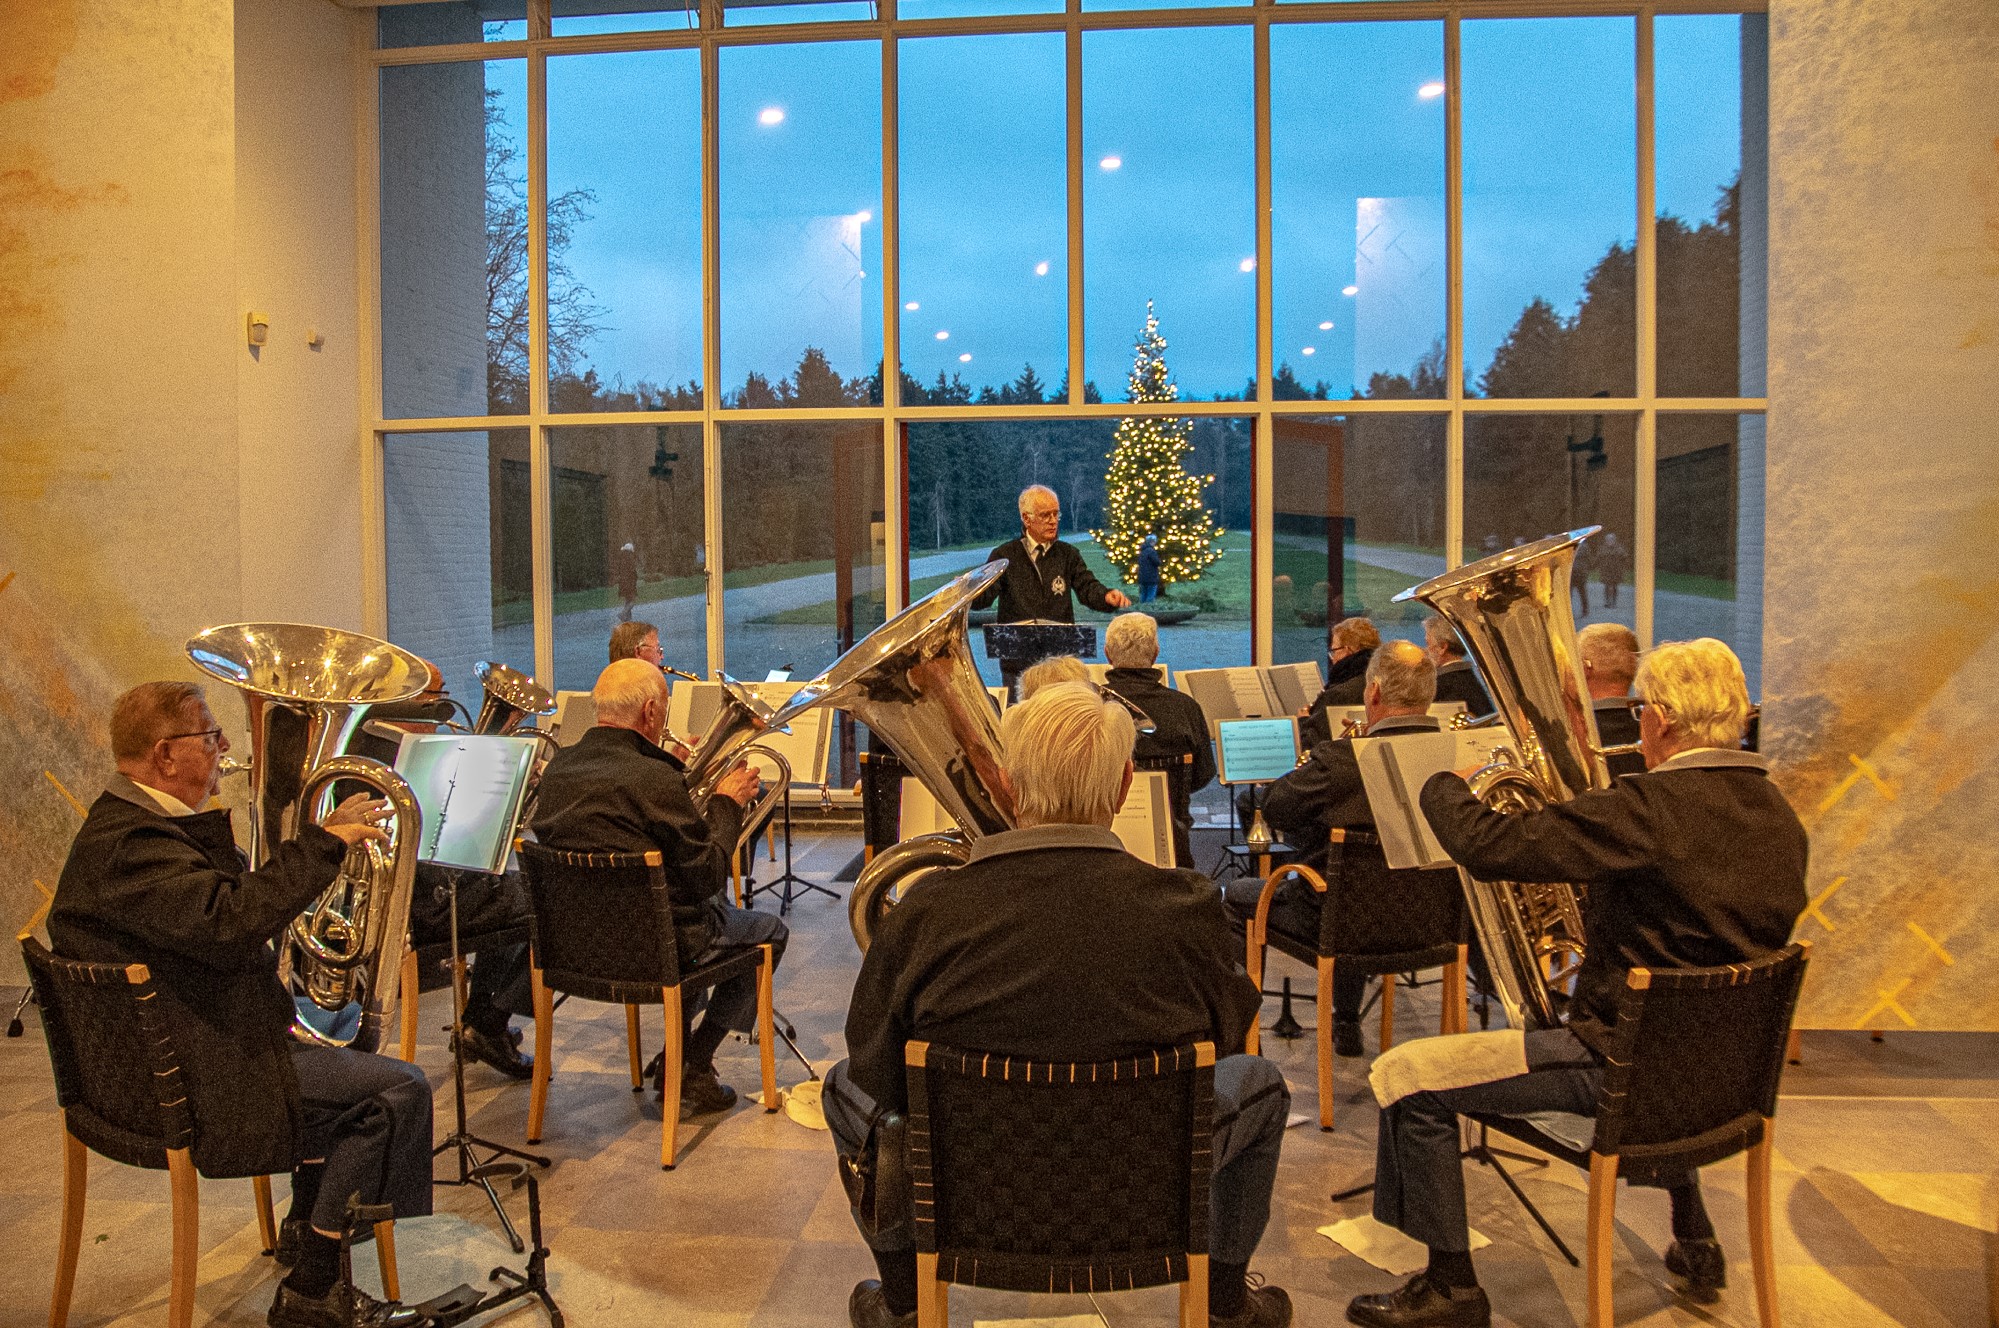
632 1048
1194 1293
544 1034
1453 1020
75 1180
385 1258
1602 1228
1762 1260
1323 1002
1253 963
1387 1011
766 1037
187 1237
267 1222
669 1080
933 1298
411 982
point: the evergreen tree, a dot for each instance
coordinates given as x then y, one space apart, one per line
1148 490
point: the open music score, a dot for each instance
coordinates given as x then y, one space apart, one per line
1144 824
1248 692
470 788
1256 751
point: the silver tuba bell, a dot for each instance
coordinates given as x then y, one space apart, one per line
1512 611
305 689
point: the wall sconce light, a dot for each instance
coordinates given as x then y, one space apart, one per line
260 328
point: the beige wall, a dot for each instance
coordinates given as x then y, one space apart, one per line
154 477
1881 631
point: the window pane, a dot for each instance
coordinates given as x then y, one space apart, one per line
448 22
1169 200
1359 508
1698 530
973 8
984 193
1551 188
624 246
454 248
1527 476
741 13
1698 87
1090 6
1357 209
460 562
802 528
800 197
627 529
573 18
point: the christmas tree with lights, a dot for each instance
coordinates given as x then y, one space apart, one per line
1148 490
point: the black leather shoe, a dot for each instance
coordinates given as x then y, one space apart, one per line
702 1093
1262 1307
1702 1264
1346 1039
868 1308
291 1231
1420 1303
500 1053
291 1310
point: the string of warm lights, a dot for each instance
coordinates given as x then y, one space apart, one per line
1148 489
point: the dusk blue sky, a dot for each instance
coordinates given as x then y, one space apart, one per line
1550 181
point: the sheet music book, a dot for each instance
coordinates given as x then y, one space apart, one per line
575 715
1394 770
470 788
692 706
806 747
1294 685
1257 751
1248 692
1144 824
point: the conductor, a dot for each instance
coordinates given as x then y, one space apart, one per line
1042 572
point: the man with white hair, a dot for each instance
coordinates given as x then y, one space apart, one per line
1054 943
1042 573
1610 662
1179 727
617 791
1697 862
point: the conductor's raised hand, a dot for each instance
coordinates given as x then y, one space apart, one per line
359 819
1117 599
742 784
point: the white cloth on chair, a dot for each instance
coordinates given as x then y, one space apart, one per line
1455 1061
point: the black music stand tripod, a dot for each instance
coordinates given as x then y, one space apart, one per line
461 1140
793 884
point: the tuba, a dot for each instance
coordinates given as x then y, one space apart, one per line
306 689
1512 611
512 700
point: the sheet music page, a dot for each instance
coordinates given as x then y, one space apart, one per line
470 788
1144 824
1211 688
1294 686
921 813
1394 771
1257 751
1249 688
1477 746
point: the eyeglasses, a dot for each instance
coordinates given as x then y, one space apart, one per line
213 735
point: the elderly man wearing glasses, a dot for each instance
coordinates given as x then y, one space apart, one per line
153 879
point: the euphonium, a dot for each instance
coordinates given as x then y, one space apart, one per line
742 719
1512 611
305 689
512 699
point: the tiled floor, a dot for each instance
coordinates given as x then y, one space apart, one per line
1885 1191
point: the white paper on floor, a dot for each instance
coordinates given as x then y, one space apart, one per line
801 1103
1295 1118
1384 1246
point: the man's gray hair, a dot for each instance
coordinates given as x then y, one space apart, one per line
1403 674
1132 641
147 713
627 637
623 689
1698 689
1437 630
1066 750
1611 651
1048 672
1032 492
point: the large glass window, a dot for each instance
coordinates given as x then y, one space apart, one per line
1550 200
801 229
450 22
1357 209
1169 216
1695 531
624 231
983 200
454 239
627 535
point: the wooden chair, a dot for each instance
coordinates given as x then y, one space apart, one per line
1691 1078
1380 921
118 1081
881 800
602 927
1039 1176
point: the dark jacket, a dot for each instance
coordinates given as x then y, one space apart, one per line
1346 685
174 893
1459 681
614 792
1179 728
1148 565
1052 943
1699 861
1326 793
1025 592
1617 724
